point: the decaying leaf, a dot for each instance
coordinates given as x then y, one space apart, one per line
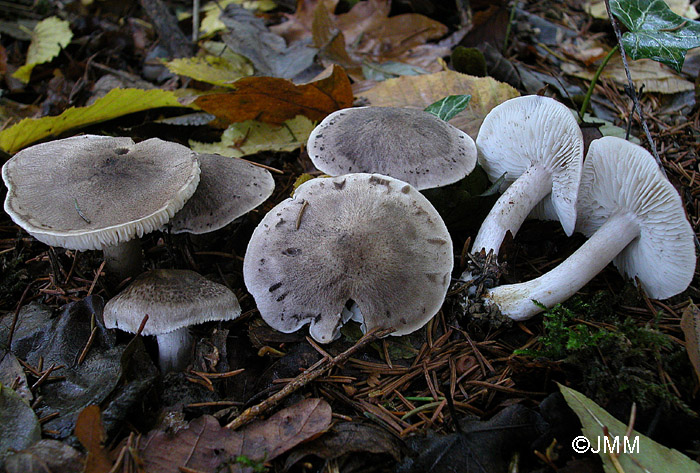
210 13
12 374
205 446
212 69
349 438
116 103
298 24
48 38
640 453
421 91
19 426
596 8
250 137
690 323
88 429
248 36
45 456
274 100
654 76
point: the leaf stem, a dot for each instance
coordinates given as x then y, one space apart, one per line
594 81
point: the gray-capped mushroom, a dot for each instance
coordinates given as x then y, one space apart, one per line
98 192
173 299
634 218
368 238
411 145
228 188
536 142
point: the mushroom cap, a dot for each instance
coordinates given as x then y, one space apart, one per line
228 188
535 131
619 176
173 299
412 145
87 192
362 237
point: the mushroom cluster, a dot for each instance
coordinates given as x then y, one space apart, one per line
98 192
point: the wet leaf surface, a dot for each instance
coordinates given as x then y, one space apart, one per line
45 456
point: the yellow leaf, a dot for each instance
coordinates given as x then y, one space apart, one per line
116 103
210 20
655 76
48 38
421 91
250 137
212 69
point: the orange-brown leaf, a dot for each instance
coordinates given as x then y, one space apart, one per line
274 100
88 429
690 323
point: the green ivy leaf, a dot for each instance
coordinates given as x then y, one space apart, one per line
655 32
448 107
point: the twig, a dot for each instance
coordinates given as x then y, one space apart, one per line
91 339
303 379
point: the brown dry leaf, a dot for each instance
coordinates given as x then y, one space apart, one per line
298 25
205 446
690 323
88 429
653 75
421 91
331 42
274 100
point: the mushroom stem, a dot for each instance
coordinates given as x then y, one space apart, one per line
124 260
511 209
174 350
557 285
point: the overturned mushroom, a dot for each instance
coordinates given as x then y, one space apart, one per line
536 142
97 192
368 238
228 188
412 145
634 218
173 299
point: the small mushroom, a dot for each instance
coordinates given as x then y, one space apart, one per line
368 238
536 142
411 145
228 188
634 218
173 299
97 192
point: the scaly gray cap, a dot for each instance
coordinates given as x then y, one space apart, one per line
88 192
411 145
362 237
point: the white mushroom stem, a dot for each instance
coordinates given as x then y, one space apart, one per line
174 350
511 209
124 260
557 285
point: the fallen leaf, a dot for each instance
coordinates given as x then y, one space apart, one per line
211 69
11 372
250 137
421 91
274 100
45 456
210 13
116 103
248 36
19 426
48 38
690 323
643 455
205 446
655 76
298 24
88 429
349 437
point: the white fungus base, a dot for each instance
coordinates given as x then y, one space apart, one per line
174 350
557 285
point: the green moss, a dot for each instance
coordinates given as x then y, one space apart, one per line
616 357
